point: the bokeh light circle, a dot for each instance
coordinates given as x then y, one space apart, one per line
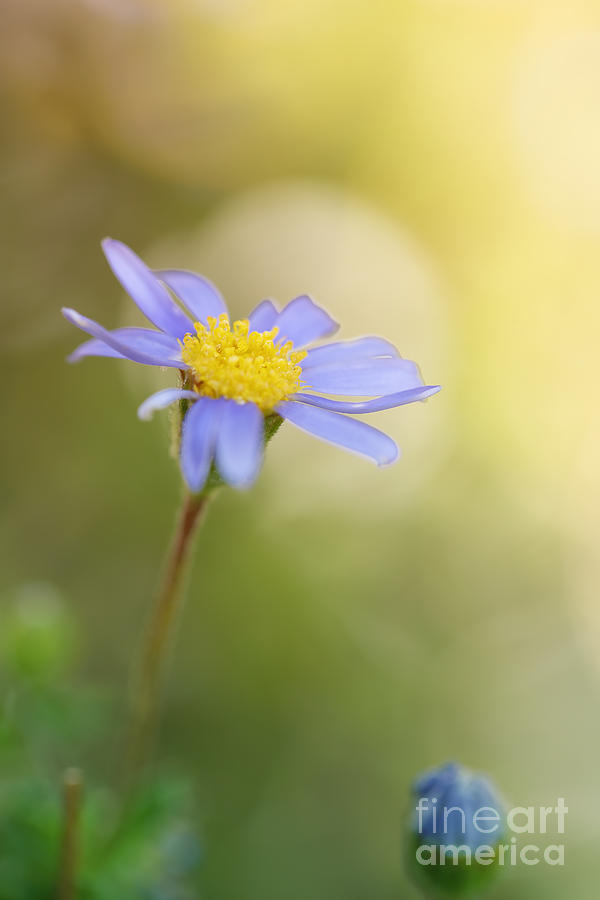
556 103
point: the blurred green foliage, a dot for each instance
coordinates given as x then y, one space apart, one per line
139 845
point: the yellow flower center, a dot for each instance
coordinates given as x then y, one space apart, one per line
242 365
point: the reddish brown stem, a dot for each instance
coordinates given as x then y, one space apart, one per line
158 636
72 796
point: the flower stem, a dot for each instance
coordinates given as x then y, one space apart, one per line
158 637
72 796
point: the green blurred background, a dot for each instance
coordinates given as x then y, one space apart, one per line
428 170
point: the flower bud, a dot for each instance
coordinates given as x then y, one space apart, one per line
457 822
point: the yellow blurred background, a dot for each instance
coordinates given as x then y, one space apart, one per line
428 170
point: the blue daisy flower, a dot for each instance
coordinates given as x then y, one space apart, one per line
236 375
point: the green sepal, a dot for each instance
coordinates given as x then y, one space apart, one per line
459 880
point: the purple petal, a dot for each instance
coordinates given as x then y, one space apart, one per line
138 344
240 443
365 378
94 347
342 430
349 351
145 289
369 406
263 316
302 322
162 399
196 292
198 440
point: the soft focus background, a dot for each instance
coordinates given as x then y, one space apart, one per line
427 170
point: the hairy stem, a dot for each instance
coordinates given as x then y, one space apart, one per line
158 636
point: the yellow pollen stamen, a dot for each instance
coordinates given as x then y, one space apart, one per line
242 365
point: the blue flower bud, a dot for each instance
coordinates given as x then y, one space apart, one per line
457 822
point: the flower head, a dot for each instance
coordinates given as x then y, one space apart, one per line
245 366
236 375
